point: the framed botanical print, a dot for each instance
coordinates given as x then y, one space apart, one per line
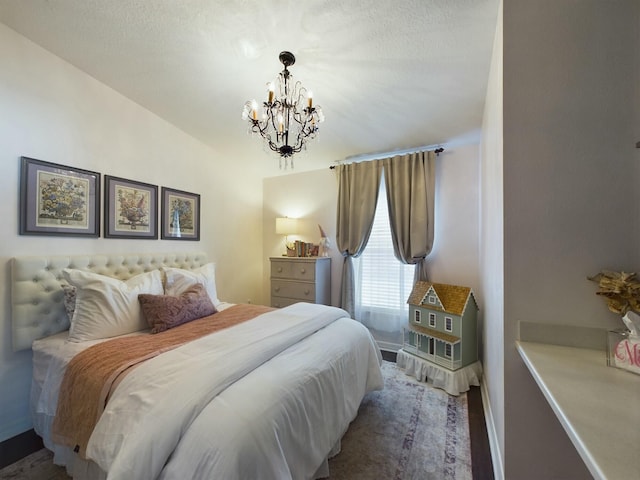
180 215
58 199
130 209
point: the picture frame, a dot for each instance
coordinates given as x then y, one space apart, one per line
58 199
180 215
130 209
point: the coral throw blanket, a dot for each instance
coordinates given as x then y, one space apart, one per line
95 372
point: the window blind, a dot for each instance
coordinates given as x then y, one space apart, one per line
386 283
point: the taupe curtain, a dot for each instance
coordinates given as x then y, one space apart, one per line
358 185
410 184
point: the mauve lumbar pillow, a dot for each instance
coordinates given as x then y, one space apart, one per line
163 312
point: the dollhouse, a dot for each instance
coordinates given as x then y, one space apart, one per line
442 326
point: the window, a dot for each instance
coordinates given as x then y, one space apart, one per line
447 350
432 299
432 346
417 316
432 319
448 324
385 283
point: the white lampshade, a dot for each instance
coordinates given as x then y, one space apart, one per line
286 226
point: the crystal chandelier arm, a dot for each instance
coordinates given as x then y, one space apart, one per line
289 114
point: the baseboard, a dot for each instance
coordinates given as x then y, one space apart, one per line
494 444
18 447
388 346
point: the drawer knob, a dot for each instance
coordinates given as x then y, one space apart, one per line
302 270
307 292
279 269
277 289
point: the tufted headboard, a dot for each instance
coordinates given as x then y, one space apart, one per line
37 308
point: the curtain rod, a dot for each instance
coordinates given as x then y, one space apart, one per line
376 156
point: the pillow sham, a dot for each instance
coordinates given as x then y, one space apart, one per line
178 280
107 307
69 299
163 312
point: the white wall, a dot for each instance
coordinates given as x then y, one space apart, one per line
491 255
54 112
310 197
454 258
571 205
313 196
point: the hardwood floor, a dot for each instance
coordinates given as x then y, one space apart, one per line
481 462
19 447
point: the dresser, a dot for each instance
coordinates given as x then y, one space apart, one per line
300 279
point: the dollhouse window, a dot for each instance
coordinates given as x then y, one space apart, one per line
448 324
447 350
432 300
432 319
417 316
432 346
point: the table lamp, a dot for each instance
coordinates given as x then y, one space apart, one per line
286 226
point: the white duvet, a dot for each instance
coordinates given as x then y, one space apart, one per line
267 399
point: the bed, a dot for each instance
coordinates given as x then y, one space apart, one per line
245 392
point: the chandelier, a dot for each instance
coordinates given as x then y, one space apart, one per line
288 118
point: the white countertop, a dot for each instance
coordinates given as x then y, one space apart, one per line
598 406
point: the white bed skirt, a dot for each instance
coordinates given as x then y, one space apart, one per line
454 383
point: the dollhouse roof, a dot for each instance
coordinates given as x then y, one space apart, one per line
453 298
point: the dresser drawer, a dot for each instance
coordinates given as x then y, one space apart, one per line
301 291
300 279
293 270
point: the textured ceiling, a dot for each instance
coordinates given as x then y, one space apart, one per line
388 74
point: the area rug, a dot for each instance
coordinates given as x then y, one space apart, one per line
408 431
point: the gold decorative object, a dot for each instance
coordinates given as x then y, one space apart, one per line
621 290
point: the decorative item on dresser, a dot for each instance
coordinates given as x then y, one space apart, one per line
286 226
300 279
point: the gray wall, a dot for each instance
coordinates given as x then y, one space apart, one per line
570 121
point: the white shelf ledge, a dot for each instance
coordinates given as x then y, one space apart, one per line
598 406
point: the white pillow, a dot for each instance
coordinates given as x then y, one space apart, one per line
178 280
107 307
